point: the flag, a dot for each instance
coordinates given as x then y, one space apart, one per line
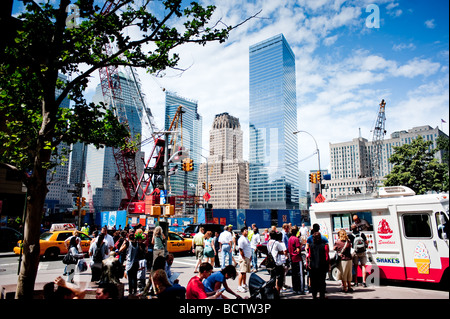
443 121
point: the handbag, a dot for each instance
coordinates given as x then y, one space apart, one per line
338 256
69 259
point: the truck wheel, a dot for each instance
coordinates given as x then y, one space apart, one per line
332 275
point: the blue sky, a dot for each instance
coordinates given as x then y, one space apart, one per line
344 69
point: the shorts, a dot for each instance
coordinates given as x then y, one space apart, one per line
361 257
279 273
244 265
199 252
209 253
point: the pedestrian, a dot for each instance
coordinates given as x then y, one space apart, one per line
164 288
121 255
198 247
108 238
85 229
217 249
219 278
112 270
276 248
318 264
342 247
295 253
210 250
195 288
73 246
266 236
107 291
254 242
132 247
226 242
98 252
304 233
142 270
245 253
168 268
360 243
158 242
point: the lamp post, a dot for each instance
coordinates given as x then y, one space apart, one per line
318 157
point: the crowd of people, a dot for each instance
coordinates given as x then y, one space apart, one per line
144 261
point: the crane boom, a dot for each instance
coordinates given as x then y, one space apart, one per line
377 148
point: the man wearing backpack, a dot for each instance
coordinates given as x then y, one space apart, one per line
359 241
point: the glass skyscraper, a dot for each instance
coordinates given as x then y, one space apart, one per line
191 138
273 152
102 173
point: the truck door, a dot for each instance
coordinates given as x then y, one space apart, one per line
421 254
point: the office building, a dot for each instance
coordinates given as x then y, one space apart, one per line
350 161
273 149
190 138
102 174
225 174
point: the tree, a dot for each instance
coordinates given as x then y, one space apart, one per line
416 167
46 44
442 143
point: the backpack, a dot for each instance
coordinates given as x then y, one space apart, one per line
359 245
270 262
98 254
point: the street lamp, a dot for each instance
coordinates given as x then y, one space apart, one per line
318 156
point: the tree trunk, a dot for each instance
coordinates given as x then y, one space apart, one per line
36 191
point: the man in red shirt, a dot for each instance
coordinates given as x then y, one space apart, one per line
195 288
295 251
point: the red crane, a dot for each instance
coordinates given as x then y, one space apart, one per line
136 188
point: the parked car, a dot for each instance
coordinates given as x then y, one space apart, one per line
193 229
9 238
52 243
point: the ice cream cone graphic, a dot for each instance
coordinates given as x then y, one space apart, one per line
422 259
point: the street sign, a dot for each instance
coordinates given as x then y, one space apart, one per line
206 197
320 198
79 185
162 196
72 191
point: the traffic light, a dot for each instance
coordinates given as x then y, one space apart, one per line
319 177
204 185
190 165
210 187
312 178
184 165
78 202
83 201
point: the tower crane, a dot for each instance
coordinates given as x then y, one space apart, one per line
377 148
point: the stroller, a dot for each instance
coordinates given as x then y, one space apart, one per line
259 289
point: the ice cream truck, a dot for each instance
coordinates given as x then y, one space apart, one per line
407 237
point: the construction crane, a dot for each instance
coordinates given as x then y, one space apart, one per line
155 175
376 155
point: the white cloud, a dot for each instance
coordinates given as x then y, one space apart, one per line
417 67
403 46
430 24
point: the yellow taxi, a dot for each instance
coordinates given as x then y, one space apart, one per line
52 243
178 244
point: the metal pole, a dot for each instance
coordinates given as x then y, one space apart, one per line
318 156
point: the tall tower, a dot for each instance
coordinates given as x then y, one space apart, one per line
101 168
273 151
226 173
191 139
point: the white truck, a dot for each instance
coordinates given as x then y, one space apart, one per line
408 234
